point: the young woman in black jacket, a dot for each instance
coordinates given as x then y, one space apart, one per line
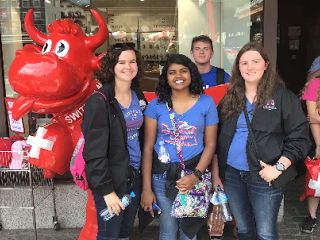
112 127
255 165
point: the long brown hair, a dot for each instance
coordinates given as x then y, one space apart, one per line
234 101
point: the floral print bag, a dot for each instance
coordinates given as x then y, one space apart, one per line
195 203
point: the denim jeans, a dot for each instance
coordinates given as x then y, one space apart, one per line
118 227
169 225
254 204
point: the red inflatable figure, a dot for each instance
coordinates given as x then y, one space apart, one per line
57 79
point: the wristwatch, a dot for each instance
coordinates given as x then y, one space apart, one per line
198 174
280 167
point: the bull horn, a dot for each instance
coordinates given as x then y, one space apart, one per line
98 39
33 32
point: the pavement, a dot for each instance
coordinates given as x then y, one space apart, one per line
289 229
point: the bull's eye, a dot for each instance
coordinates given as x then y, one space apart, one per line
47 46
62 48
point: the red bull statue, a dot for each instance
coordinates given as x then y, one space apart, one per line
57 79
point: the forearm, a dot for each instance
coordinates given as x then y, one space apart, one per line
209 149
315 130
146 169
215 166
314 119
206 158
313 113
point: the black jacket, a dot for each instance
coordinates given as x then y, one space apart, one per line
105 151
280 129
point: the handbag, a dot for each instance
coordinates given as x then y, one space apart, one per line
195 203
286 176
311 182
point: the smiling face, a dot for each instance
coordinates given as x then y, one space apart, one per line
126 68
252 66
179 77
201 52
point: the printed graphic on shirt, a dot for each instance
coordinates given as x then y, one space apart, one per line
133 121
270 105
132 114
183 136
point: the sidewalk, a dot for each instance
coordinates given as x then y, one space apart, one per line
294 214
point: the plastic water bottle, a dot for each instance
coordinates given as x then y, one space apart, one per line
163 155
126 200
223 202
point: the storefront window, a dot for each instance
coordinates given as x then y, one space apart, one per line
164 27
156 27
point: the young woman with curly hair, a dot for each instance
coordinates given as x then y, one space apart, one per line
249 172
179 88
112 126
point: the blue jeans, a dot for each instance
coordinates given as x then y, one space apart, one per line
254 204
169 225
118 227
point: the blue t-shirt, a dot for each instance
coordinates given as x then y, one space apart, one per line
237 155
209 79
191 126
134 119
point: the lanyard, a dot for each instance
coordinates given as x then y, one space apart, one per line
176 133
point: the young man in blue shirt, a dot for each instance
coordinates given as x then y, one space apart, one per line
202 52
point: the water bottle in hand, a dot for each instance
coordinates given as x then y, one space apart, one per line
223 201
126 200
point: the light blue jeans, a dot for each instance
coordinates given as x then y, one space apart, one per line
254 204
169 226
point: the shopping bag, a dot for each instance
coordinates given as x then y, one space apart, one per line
312 179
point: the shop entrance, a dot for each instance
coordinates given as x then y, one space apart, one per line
298 40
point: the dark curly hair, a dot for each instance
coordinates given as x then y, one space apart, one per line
108 62
163 89
234 101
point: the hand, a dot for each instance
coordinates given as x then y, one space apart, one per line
268 172
113 203
186 183
217 182
147 198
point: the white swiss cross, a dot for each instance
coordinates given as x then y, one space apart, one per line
38 142
315 184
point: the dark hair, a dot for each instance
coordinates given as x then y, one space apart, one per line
202 38
163 89
234 101
108 62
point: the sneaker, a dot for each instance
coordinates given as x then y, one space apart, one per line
309 225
